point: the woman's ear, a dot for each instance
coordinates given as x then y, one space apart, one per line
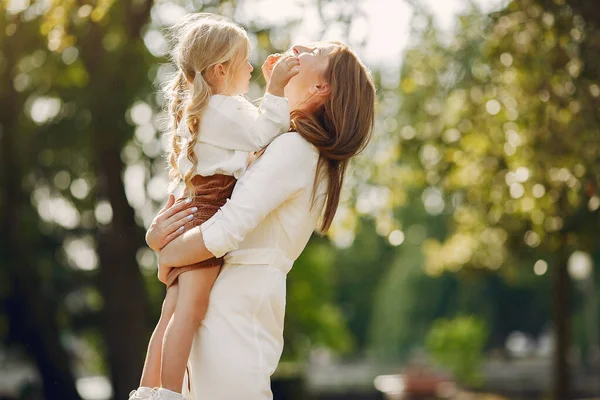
322 89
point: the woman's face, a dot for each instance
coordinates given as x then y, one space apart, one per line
310 81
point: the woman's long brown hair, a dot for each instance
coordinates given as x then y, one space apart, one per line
341 127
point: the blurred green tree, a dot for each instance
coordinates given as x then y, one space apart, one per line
81 175
31 308
499 125
458 345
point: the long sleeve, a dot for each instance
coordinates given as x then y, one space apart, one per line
234 123
285 169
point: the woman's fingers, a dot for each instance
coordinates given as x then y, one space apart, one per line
180 215
174 234
180 219
174 209
170 202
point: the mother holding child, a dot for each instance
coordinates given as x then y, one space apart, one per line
225 247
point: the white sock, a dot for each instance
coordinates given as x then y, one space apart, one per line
144 391
166 394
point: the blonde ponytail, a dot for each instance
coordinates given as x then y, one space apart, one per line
175 98
199 98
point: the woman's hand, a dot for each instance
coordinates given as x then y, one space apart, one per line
267 67
285 69
168 223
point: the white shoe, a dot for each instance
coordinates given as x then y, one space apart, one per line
135 395
158 395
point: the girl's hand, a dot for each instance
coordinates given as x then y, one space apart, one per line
284 70
168 223
267 67
163 270
251 158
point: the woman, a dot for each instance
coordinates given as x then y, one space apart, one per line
267 222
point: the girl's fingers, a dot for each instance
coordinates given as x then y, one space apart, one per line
284 59
293 72
288 62
292 59
272 60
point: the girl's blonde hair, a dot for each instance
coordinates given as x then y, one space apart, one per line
202 41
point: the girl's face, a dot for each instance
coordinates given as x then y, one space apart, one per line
239 81
309 84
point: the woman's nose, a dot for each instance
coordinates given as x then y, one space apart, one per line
299 50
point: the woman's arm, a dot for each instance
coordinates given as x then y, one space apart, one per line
285 169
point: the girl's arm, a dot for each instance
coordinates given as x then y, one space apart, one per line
285 169
237 124
189 249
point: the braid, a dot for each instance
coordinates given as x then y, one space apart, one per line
196 105
176 96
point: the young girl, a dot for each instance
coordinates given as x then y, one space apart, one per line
213 131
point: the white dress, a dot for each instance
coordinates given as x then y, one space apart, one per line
263 229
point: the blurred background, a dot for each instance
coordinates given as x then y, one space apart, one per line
463 259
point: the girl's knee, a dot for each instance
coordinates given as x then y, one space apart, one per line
197 310
194 294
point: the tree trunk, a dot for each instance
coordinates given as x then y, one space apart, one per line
562 304
32 316
120 280
125 311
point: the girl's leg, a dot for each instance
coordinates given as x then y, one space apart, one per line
192 302
151 371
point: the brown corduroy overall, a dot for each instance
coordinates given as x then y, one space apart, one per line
211 193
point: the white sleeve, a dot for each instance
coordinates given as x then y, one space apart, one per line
285 169
236 124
